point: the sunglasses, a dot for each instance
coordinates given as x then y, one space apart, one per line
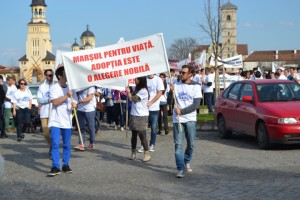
183 73
50 75
23 84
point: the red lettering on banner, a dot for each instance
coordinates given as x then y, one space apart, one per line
89 57
142 46
117 52
105 65
130 60
107 75
136 70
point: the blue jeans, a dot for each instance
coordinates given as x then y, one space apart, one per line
23 120
188 130
153 120
89 118
55 141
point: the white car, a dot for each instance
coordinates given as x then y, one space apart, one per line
33 89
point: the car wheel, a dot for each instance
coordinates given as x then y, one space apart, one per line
223 131
263 136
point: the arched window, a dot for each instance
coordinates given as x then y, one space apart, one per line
40 12
35 12
228 18
228 41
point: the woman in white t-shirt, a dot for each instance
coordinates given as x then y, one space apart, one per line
139 116
22 102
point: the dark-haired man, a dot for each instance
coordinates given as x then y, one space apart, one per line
60 122
188 95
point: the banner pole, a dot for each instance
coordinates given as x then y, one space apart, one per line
79 131
168 67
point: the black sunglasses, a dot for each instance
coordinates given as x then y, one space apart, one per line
50 75
183 73
23 84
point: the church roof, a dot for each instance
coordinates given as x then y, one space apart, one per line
75 44
23 58
228 5
38 3
49 56
274 56
87 44
87 33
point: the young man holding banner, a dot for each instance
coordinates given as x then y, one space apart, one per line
188 95
60 122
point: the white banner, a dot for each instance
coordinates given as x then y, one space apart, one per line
201 61
233 62
116 63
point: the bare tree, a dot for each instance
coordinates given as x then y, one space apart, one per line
180 49
212 26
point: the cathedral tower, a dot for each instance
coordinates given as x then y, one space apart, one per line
229 41
38 55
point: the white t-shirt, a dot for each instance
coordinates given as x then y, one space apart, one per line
155 85
208 78
164 97
10 94
22 98
89 106
44 94
185 95
140 108
61 115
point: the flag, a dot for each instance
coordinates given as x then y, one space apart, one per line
201 61
259 68
233 62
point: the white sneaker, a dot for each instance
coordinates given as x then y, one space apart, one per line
188 167
122 129
180 174
116 127
140 150
151 148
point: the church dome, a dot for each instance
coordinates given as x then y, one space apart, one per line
75 44
87 33
38 3
228 5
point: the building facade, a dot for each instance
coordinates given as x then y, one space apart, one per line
38 55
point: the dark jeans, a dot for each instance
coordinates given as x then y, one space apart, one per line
109 114
153 118
163 117
89 118
207 101
119 114
23 120
142 138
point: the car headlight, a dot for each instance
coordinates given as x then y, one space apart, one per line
287 121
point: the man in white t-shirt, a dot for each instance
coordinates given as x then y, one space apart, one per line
11 89
155 89
60 122
208 89
86 112
43 98
188 95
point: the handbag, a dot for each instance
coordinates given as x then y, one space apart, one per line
99 105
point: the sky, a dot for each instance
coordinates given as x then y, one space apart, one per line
262 24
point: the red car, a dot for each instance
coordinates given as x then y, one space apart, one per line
267 109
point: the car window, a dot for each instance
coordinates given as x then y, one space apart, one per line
278 92
225 93
247 90
233 93
34 90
